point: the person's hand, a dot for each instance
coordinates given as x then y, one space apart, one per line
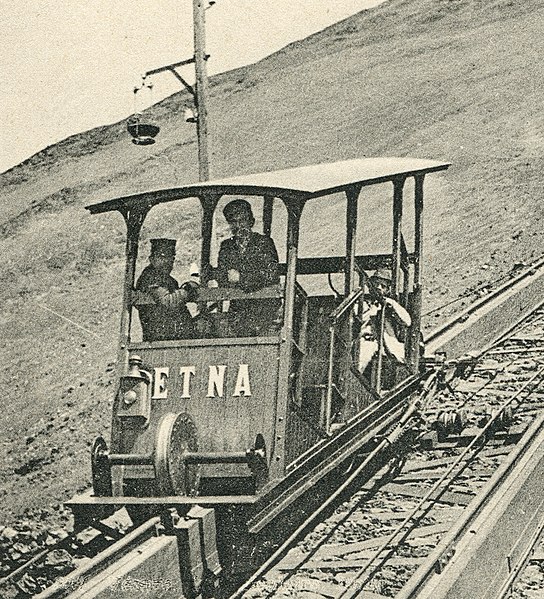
372 311
388 301
157 292
139 298
191 288
233 276
207 272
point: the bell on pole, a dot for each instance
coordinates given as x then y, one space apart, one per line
190 115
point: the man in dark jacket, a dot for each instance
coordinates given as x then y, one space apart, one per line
168 317
248 261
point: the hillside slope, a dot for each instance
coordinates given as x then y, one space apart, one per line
457 80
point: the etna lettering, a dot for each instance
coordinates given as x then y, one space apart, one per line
219 381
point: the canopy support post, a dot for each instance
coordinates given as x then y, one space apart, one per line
277 465
134 220
398 185
352 195
267 215
209 204
418 253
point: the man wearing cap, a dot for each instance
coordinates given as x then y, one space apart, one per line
168 317
394 317
249 261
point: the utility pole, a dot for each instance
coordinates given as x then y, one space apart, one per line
143 133
201 84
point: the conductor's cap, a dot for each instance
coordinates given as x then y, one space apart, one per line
237 207
382 274
163 247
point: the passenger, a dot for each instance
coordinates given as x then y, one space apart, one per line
168 317
248 261
395 319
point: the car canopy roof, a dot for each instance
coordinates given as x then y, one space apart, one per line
300 183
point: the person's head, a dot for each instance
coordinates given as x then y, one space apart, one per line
239 216
380 282
163 254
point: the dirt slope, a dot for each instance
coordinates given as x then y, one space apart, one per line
458 80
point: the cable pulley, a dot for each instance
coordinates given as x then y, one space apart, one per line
450 422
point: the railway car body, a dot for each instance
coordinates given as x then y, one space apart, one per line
256 420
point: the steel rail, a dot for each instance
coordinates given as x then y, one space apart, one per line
525 557
426 391
36 558
60 544
530 319
286 545
133 536
495 293
276 557
62 586
489 381
356 585
492 352
444 549
515 350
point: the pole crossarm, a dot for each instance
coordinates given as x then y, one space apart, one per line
169 67
172 69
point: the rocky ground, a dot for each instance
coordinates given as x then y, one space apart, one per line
531 583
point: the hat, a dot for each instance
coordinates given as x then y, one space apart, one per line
382 274
235 207
163 247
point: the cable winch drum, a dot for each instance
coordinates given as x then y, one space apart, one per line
176 434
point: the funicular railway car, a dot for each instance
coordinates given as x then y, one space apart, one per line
252 420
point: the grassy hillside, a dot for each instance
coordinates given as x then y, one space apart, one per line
457 80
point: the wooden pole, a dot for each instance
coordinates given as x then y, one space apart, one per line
201 99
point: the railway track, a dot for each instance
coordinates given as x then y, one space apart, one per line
386 539
477 419
55 560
